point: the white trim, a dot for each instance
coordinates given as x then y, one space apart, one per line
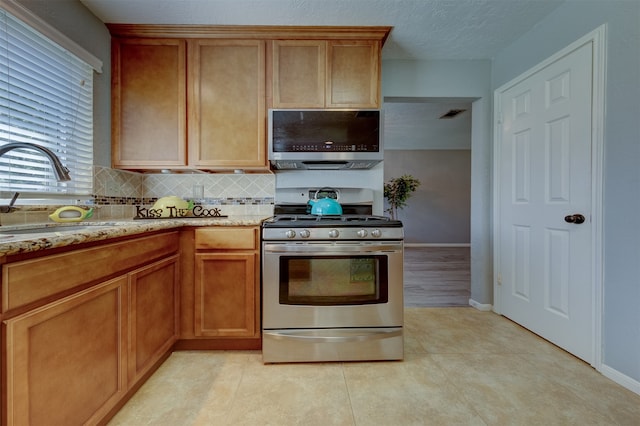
53 34
437 244
497 155
481 306
597 38
621 379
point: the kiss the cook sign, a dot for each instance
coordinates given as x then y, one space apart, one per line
173 212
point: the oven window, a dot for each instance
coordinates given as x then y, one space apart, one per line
333 280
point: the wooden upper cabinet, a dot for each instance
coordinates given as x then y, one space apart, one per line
326 74
148 103
299 70
195 96
353 76
227 111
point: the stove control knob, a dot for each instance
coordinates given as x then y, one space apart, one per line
361 233
305 233
376 233
290 233
334 233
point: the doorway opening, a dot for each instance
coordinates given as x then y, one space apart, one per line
430 139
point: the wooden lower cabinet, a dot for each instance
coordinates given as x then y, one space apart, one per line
221 301
153 319
82 329
75 353
66 361
225 294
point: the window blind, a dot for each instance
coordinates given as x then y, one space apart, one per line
46 98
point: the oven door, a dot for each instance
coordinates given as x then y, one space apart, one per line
332 284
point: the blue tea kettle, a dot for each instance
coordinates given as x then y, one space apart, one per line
325 205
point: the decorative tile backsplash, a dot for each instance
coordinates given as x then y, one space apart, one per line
117 192
242 186
117 183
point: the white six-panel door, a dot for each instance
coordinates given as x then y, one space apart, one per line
544 183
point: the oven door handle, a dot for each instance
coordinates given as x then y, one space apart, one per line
342 336
321 248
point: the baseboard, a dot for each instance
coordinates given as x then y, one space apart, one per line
437 244
218 344
481 306
621 379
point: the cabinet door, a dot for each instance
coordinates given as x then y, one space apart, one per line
153 318
298 76
353 78
227 117
65 362
226 295
148 103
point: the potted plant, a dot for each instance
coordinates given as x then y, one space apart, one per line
397 191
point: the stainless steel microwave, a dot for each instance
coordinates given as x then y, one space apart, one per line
323 139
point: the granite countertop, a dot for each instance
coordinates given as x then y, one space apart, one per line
34 237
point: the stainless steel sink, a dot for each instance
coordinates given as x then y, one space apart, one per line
15 232
45 229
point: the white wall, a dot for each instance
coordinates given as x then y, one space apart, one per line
75 21
438 212
569 22
371 179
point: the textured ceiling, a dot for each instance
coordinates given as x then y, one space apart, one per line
422 29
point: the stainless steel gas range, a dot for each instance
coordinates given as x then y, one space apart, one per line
332 288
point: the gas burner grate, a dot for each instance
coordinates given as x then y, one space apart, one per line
306 220
337 218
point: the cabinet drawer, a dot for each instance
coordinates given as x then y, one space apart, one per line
227 238
27 281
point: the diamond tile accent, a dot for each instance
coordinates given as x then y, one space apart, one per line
116 183
215 185
240 193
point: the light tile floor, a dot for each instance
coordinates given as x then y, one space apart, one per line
462 367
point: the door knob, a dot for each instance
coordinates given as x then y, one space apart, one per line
574 218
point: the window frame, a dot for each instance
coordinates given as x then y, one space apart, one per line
37 36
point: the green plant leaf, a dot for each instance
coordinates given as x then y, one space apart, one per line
397 191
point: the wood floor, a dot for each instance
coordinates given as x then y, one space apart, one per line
436 276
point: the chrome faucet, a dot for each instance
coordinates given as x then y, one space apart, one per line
61 172
9 208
